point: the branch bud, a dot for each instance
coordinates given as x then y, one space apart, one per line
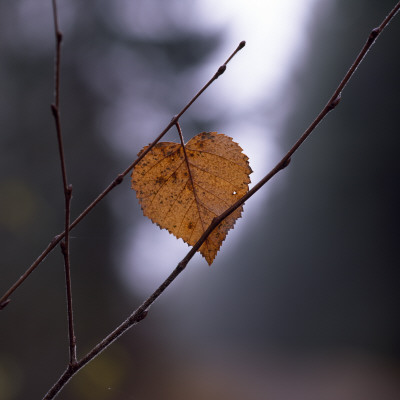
241 44
220 71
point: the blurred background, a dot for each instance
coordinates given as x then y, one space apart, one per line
302 300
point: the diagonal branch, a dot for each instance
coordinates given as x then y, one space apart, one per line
119 178
141 312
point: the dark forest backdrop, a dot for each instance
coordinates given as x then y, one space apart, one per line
305 305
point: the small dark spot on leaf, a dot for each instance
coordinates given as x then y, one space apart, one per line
160 180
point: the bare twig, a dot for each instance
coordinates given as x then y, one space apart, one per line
141 312
119 178
55 107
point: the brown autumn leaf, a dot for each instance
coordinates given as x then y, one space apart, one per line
184 197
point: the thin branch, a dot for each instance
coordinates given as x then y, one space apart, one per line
141 312
55 107
285 161
119 178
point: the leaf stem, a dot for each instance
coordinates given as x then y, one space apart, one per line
178 127
5 299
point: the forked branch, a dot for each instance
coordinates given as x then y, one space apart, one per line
142 311
55 107
119 178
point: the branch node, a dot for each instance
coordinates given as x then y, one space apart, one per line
374 33
63 247
335 102
142 316
119 179
56 239
54 110
69 191
220 71
286 163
